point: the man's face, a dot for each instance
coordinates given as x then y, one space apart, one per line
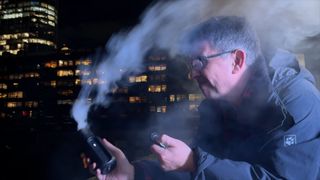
216 79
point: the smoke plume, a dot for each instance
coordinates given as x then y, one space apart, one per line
280 24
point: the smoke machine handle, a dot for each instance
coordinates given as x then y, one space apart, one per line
98 153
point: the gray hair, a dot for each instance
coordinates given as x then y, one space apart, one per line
225 33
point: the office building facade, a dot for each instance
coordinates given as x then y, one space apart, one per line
43 88
28 26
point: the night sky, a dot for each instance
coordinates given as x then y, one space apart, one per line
89 24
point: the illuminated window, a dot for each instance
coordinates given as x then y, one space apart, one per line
53 83
51 18
77 82
14 104
195 97
18 94
181 97
3 86
65 63
3 95
134 79
172 98
157 88
16 76
12 16
67 92
51 23
193 107
15 84
64 73
137 99
62 63
85 62
65 102
51 7
97 81
86 81
70 63
161 109
31 75
82 72
31 104
158 109
163 88
26 113
161 67
38 41
51 64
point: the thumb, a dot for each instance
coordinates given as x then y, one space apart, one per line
159 151
167 140
113 149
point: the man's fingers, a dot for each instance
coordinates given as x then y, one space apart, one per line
99 175
113 149
167 140
159 151
92 168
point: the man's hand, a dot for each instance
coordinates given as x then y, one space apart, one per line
123 170
176 156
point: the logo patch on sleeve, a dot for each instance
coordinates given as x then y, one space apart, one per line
289 140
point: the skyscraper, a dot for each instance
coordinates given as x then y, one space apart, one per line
27 26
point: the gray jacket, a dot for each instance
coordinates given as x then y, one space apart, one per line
290 149
291 152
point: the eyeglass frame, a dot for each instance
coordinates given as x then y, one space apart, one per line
204 60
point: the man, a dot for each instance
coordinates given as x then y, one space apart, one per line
259 127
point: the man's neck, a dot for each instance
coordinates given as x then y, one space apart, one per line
236 96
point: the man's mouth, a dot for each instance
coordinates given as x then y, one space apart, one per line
202 80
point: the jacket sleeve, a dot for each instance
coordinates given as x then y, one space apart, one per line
151 170
210 167
299 161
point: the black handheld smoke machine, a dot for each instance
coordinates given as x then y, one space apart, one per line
97 152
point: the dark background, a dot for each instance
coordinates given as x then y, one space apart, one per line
89 24
36 153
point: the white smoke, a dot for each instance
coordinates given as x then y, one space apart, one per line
283 23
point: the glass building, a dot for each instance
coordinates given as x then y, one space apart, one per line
43 88
27 26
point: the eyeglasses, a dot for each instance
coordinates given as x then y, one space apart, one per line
200 62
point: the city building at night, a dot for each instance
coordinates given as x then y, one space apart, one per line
41 89
28 26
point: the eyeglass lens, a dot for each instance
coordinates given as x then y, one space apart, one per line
196 64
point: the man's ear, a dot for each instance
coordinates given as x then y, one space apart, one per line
239 61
